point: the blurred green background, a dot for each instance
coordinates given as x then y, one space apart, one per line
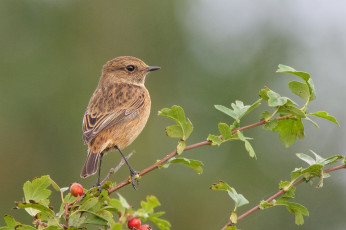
211 52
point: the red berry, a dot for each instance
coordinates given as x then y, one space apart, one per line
76 189
134 223
145 227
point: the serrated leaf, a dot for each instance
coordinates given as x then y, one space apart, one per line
300 89
239 199
215 140
297 209
264 94
161 223
290 130
248 146
265 115
36 207
174 131
264 205
302 75
253 106
333 159
238 109
89 204
225 131
306 158
194 164
150 203
181 146
313 122
276 100
271 124
10 221
287 109
220 186
289 190
325 115
37 191
312 170
177 114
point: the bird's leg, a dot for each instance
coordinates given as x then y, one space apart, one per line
132 172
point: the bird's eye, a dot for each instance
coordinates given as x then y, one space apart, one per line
130 68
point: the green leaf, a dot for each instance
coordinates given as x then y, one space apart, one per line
181 146
231 228
36 207
271 124
37 191
89 204
312 170
297 209
276 100
149 205
302 75
264 94
54 185
314 123
333 159
174 131
194 164
325 115
289 130
248 146
300 89
161 223
116 226
306 158
25 227
225 131
177 114
239 199
238 109
11 222
234 217
264 205
115 203
289 190
288 109
215 140
265 115
123 201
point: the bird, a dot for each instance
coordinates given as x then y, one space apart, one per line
117 111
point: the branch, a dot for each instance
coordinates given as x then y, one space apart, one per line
193 146
282 191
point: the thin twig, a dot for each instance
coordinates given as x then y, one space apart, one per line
282 191
193 146
67 215
114 170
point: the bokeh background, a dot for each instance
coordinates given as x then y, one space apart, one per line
211 52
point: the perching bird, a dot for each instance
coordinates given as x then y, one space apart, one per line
117 111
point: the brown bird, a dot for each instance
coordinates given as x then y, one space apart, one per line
117 112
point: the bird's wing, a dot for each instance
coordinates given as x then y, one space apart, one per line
94 123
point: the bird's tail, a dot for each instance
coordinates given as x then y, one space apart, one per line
90 165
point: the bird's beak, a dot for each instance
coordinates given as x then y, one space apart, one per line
152 68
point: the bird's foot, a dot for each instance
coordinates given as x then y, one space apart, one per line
134 176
